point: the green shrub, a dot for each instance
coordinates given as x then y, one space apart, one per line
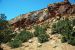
73 21
43 38
15 43
65 28
20 38
72 41
39 30
1 37
40 33
62 26
63 40
6 36
24 36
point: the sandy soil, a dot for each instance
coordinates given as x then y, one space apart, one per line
51 45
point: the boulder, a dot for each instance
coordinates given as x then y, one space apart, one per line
30 41
39 45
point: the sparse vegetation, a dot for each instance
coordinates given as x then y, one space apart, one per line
72 41
39 30
43 38
63 40
46 25
62 26
65 28
40 33
24 36
6 36
5 31
20 38
73 21
15 43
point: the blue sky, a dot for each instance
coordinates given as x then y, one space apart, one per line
13 8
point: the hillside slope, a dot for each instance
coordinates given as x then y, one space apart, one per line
44 17
53 10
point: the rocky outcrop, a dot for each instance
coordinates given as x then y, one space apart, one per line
53 10
61 8
31 18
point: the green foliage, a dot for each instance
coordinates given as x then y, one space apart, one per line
5 31
40 33
72 41
3 24
65 28
24 36
63 40
3 17
15 43
39 30
43 38
3 21
6 36
73 21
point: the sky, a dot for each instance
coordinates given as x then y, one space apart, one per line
14 8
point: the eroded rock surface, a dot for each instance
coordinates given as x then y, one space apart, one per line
53 10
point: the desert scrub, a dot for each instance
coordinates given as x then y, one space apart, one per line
73 22
6 35
24 36
20 38
15 43
63 40
65 28
72 41
40 33
46 25
43 38
62 26
39 30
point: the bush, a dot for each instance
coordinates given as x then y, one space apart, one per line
63 40
1 37
15 43
6 36
72 41
73 22
39 30
62 26
43 38
65 28
40 33
24 36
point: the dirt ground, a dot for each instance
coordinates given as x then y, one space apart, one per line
51 45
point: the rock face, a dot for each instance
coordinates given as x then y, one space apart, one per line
61 8
53 10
